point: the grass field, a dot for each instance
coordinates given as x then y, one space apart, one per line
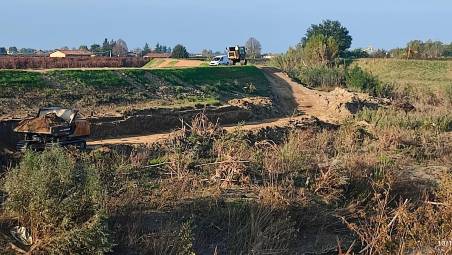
94 88
20 79
435 75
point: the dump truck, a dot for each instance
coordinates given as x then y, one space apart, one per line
53 126
237 55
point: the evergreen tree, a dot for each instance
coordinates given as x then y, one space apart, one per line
146 49
158 48
179 51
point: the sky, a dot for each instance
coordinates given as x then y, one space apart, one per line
215 24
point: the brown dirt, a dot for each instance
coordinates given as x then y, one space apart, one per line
331 107
169 62
40 124
292 99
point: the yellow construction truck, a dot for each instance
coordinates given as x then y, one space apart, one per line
53 126
237 55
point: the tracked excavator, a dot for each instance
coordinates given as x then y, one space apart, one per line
53 126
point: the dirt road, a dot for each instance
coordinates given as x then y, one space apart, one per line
296 101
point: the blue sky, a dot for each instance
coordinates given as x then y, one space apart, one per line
215 24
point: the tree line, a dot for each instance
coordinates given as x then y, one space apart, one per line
119 48
418 49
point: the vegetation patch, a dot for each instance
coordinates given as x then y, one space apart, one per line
434 74
90 90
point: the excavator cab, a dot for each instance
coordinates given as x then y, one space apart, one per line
237 55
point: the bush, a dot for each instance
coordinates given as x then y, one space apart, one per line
57 197
360 80
322 76
179 51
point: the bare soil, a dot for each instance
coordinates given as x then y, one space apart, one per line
171 62
298 103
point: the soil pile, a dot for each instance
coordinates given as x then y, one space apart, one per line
261 107
332 107
40 124
342 103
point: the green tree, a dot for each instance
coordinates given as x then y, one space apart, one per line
357 53
320 50
414 49
83 47
146 49
13 50
26 51
448 50
3 51
179 51
95 48
333 29
106 45
158 48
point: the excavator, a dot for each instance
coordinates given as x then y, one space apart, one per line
237 55
53 126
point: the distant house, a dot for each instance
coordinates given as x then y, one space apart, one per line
152 55
370 50
40 53
71 54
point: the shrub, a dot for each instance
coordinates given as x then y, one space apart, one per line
322 76
57 197
290 61
360 80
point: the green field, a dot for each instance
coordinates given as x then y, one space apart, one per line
430 74
166 87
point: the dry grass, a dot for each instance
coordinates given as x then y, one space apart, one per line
210 192
425 74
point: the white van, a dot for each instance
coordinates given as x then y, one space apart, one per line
219 60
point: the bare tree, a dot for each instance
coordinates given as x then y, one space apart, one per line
120 48
253 48
207 53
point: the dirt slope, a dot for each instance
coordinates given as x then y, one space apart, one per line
331 107
296 101
152 138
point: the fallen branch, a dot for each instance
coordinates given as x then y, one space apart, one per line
155 165
223 162
435 203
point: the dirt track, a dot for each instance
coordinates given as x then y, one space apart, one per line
295 100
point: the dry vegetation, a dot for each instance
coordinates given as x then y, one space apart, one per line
21 62
381 183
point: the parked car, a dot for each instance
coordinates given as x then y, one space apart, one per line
219 60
